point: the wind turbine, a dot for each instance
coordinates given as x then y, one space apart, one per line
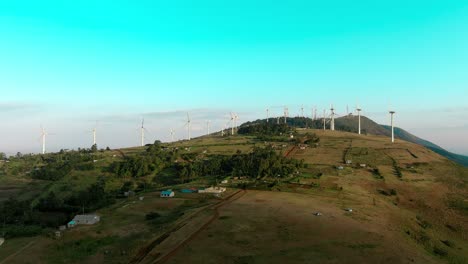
324 120
286 112
142 132
268 114
208 123
332 124
43 139
392 113
232 123
359 118
189 127
222 131
302 111
94 134
172 134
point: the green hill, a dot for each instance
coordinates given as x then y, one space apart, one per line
368 126
288 200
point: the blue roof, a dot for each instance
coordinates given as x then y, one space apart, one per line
166 192
72 222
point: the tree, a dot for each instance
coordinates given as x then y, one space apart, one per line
94 148
3 156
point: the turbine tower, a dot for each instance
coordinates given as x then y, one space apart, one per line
268 114
302 111
359 119
94 134
286 112
332 124
232 123
172 134
43 139
189 126
208 123
142 132
324 120
392 113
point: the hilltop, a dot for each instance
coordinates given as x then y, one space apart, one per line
350 124
288 201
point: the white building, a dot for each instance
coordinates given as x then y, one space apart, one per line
167 194
215 190
84 220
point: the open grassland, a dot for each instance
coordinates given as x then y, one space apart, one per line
409 205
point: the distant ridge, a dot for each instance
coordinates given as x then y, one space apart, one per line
350 124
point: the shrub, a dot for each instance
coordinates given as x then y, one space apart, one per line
152 216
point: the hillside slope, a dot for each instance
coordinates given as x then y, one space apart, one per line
404 198
405 135
368 126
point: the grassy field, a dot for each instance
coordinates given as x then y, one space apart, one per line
409 205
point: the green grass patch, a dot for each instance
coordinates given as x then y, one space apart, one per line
78 250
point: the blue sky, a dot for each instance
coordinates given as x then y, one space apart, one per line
64 64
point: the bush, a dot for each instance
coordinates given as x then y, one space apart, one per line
12 231
152 216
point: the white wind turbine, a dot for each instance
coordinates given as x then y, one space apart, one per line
268 114
189 127
222 131
232 123
332 124
94 131
208 124
358 109
142 132
43 139
392 113
324 119
172 134
286 113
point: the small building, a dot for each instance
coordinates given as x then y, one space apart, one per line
191 190
84 220
71 224
362 165
349 162
225 182
340 168
302 146
214 190
58 234
167 194
62 228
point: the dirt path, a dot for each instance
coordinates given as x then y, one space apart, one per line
287 154
204 227
7 259
145 252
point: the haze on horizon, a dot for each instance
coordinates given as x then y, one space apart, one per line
65 65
